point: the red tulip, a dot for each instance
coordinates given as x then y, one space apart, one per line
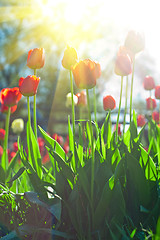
10 96
151 103
156 117
109 103
45 158
141 121
70 58
2 134
82 100
36 58
157 92
11 155
1 151
4 109
28 86
15 146
123 65
85 74
135 41
119 129
148 83
66 147
58 138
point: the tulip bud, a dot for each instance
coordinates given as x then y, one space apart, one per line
4 109
141 120
119 129
156 117
2 134
36 58
148 83
69 58
69 100
10 96
123 65
135 41
28 86
125 51
1 151
157 92
85 74
151 103
58 138
17 125
109 103
15 146
98 70
82 100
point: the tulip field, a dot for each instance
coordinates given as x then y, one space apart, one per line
97 183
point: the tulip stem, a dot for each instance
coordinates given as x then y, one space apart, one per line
5 146
73 121
73 111
95 112
131 96
92 148
120 100
125 110
159 112
34 112
29 115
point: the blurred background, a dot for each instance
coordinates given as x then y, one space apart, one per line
95 29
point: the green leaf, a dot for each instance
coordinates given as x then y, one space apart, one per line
53 144
82 176
33 151
12 163
102 205
2 175
66 170
148 165
17 175
137 182
56 208
80 146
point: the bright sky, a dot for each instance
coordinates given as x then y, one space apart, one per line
141 15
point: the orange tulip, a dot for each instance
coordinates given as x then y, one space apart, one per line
10 96
69 58
109 103
36 58
28 86
85 74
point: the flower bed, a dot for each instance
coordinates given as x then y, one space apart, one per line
103 184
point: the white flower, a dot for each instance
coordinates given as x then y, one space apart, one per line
17 125
69 100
